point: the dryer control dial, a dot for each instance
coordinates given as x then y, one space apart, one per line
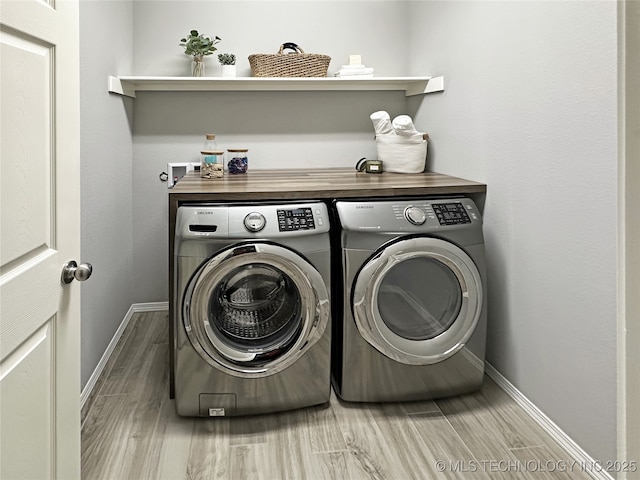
254 222
415 215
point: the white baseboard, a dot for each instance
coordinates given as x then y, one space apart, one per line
554 431
150 307
135 308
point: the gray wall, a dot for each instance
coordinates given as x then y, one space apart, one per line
282 129
530 109
106 173
375 29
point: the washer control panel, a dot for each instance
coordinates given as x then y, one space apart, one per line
252 220
295 219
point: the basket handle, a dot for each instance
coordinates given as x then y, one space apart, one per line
290 46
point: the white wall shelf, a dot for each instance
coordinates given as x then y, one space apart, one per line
129 85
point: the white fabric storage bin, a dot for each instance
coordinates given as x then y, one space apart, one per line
402 154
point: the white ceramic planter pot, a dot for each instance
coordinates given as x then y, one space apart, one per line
228 70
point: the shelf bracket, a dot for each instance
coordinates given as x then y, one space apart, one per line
120 87
432 85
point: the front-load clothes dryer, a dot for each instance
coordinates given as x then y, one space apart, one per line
252 312
412 320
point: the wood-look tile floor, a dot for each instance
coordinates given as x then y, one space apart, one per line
130 431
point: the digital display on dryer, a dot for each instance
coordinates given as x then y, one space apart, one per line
295 219
451 213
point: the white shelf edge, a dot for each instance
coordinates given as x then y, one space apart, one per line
129 85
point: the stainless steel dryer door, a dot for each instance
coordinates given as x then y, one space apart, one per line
418 300
255 308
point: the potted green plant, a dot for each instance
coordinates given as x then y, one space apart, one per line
198 46
228 62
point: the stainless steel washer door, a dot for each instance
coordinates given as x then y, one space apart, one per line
255 308
418 300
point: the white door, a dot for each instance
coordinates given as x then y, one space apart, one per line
39 233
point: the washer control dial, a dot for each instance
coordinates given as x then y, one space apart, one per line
415 215
254 222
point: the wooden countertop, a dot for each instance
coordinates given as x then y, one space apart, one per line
320 184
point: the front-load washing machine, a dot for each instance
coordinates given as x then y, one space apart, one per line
252 312
412 321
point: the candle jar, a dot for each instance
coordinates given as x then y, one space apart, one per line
237 160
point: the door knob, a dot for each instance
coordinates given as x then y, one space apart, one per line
72 270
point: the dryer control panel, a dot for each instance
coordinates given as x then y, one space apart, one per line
451 213
419 215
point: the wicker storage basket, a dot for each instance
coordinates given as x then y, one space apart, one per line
402 154
298 64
